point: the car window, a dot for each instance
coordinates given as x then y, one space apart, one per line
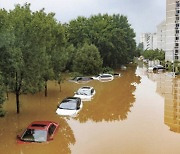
68 106
33 135
51 129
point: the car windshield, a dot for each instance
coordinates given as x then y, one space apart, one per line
84 92
106 76
68 106
32 135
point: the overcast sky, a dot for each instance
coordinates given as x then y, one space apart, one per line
143 15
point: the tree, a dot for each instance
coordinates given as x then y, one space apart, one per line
112 35
32 50
2 97
87 60
154 54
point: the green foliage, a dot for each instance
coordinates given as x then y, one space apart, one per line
87 60
35 48
2 91
107 70
33 53
2 97
112 35
2 112
70 51
154 54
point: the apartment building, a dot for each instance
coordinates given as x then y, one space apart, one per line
161 35
149 41
172 45
168 33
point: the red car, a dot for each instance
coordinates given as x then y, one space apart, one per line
38 131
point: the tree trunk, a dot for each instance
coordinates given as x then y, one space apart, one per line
59 87
45 92
59 83
7 95
17 91
17 102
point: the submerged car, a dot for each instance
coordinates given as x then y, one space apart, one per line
38 131
104 77
80 79
156 68
85 93
70 106
117 74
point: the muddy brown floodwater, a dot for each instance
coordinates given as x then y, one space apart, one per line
138 113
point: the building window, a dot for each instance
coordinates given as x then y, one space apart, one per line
177 18
177 38
176 52
177 4
177 25
176 44
177 31
177 11
176 58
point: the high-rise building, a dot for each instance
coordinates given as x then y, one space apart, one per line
161 35
172 40
149 41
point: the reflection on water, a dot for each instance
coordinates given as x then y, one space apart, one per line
169 88
126 115
34 108
113 100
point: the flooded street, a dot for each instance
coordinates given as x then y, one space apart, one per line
137 113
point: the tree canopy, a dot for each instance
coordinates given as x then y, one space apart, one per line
35 47
154 54
111 34
36 42
87 60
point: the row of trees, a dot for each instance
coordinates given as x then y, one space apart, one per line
154 54
35 48
112 35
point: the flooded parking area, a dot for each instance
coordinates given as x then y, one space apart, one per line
137 113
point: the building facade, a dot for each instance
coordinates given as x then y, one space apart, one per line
172 40
161 35
149 41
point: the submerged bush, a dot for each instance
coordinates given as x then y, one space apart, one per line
2 113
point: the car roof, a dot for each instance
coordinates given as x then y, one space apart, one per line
106 74
40 125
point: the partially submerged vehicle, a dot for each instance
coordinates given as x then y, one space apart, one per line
117 74
86 93
104 77
69 106
156 68
123 67
38 131
81 79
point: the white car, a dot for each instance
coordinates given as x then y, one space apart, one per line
70 106
104 77
156 68
85 93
